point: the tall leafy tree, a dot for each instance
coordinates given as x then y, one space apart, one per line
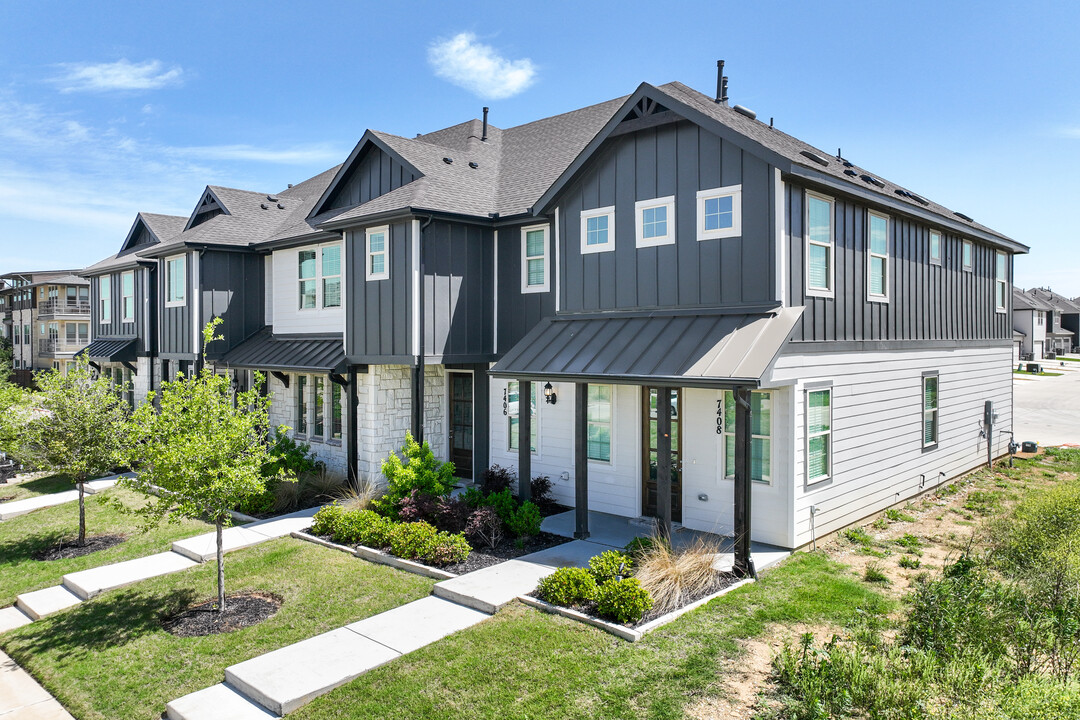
205 449
6 358
77 425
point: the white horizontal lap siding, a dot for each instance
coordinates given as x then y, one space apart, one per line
613 487
287 315
878 456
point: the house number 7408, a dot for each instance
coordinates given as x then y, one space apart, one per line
719 417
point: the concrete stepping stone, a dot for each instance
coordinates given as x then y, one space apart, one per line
21 698
88 583
12 617
218 702
202 548
416 624
96 486
285 524
51 600
22 507
286 679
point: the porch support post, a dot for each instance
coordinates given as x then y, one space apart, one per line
581 460
481 420
524 440
418 400
744 563
352 450
663 461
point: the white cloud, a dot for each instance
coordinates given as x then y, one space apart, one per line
119 75
1070 132
479 68
300 155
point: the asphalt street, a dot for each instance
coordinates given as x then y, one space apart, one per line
1047 409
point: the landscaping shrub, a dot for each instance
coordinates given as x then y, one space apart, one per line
676 577
448 549
525 521
418 506
639 546
325 521
609 565
541 492
485 527
623 601
568 587
495 479
414 540
452 514
288 457
503 502
419 471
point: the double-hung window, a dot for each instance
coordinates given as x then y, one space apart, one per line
127 292
818 434
819 245
935 247
719 212
967 255
877 281
175 280
930 409
655 221
1041 316
306 270
378 253
1000 281
331 276
534 259
513 405
761 436
105 299
599 423
598 230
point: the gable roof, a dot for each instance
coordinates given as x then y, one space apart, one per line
1054 301
1024 301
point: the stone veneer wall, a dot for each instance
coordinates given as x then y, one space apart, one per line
140 381
283 412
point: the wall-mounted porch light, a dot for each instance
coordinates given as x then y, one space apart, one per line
549 395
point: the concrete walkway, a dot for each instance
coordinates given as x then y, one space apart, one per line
15 508
21 698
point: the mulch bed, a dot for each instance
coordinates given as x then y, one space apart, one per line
5 498
67 549
241 610
506 550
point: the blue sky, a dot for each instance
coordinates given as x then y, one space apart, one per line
110 108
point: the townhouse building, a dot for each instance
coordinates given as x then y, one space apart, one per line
1063 320
669 307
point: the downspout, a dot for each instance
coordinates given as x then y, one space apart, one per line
418 368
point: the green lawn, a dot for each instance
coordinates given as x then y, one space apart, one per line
22 536
1042 374
110 659
32 488
527 664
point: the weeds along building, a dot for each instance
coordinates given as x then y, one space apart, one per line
671 308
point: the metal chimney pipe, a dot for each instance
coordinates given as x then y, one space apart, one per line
721 91
484 135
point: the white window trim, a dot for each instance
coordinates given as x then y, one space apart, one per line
941 246
640 206
525 287
882 297
183 301
104 303
610 462
937 411
970 263
321 291
385 274
608 246
1001 282
817 387
729 473
732 191
811 291
124 317
318 278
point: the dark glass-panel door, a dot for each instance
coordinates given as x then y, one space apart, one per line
461 424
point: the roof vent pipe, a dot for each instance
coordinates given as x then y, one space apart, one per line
745 111
483 136
721 89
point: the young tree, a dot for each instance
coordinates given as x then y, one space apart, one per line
15 405
77 425
6 357
204 450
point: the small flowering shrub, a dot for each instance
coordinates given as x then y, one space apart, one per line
568 586
623 601
418 506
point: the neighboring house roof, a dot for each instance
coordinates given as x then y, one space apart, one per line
1057 302
67 279
1024 301
161 228
1017 335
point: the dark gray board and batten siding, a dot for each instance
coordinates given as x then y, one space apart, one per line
518 312
176 322
116 328
232 286
927 302
376 174
674 159
378 313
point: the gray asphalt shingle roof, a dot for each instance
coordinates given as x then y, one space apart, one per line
163 228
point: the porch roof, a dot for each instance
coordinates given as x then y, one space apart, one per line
288 353
686 349
110 350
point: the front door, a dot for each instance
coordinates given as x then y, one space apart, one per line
461 423
648 479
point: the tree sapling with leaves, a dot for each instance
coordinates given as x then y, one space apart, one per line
78 426
204 450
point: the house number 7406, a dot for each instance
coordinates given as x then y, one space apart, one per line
506 401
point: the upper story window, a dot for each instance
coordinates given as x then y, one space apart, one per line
967 255
534 259
819 245
598 230
378 253
330 266
655 221
1000 281
127 292
935 247
1041 316
105 299
175 280
877 281
306 272
719 212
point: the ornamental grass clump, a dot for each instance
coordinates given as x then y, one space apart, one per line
676 577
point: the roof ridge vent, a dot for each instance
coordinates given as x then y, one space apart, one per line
745 111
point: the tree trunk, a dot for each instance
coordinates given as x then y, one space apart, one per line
82 515
220 568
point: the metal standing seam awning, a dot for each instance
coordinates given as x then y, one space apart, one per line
288 353
108 350
694 349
